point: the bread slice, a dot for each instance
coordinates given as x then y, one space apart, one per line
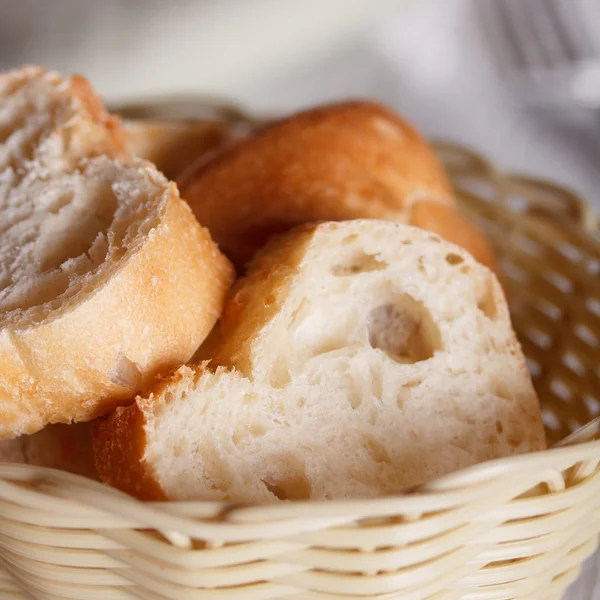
51 123
355 359
343 161
174 145
63 447
106 277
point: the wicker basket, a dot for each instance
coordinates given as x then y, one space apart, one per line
511 528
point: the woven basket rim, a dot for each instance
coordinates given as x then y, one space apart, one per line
579 446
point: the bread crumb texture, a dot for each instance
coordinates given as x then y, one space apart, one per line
355 359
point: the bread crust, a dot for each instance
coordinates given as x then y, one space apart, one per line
256 298
119 443
150 314
97 115
174 146
343 161
91 131
337 162
453 227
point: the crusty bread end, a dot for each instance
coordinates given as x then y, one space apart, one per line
106 278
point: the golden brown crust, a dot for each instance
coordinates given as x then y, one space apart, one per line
146 310
174 146
119 442
345 161
257 297
149 316
111 139
453 227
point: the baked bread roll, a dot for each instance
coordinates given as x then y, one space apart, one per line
64 447
345 161
174 145
106 277
355 359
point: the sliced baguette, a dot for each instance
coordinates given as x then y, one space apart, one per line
344 161
106 277
64 447
355 359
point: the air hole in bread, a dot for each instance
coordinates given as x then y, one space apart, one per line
291 482
499 427
180 448
487 303
349 239
270 299
257 430
354 398
502 389
217 471
126 374
465 269
434 238
376 450
401 398
280 375
359 263
405 394
404 330
454 259
59 202
491 439
514 442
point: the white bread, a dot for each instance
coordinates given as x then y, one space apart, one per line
64 447
106 278
343 161
355 359
174 145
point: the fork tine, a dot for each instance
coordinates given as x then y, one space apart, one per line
521 15
506 18
497 36
552 33
574 31
563 33
542 40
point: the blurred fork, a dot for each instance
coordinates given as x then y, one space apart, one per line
548 50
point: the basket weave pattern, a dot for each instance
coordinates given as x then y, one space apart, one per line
512 528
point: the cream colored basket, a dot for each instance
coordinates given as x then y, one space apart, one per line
512 528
